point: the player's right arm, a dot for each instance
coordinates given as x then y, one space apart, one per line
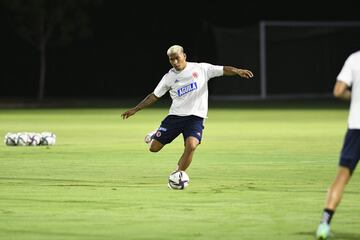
341 90
345 79
149 100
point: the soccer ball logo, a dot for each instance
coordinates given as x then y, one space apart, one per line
178 180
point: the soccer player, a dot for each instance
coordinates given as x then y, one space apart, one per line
347 87
187 85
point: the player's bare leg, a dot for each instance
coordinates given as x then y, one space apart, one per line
337 188
190 145
333 199
155 146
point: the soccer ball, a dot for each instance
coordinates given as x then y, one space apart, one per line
11 139
30 139
178 180
23 139
35 139
47 138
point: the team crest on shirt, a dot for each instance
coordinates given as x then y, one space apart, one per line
195 75
186 89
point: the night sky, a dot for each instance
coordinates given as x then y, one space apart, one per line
125 56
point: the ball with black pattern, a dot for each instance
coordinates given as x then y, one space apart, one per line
178 180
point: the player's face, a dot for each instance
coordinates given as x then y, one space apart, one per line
178 61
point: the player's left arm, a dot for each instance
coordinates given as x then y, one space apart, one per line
233 71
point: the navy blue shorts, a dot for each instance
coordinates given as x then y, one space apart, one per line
350 153
173 125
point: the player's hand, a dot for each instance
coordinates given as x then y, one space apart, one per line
128 113
245 73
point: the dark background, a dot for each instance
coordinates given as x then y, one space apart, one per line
126 55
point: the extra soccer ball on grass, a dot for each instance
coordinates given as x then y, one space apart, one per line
30 139
178 180
11 139
48 138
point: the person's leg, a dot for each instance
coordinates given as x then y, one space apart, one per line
155 146
190 145
333 199
349 158
192 133
336 189
165 134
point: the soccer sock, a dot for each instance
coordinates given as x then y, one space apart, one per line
327 215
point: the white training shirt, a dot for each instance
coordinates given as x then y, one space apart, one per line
188 88
350 74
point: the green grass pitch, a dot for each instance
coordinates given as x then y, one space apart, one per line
260 173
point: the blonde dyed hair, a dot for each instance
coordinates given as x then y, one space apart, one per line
175 49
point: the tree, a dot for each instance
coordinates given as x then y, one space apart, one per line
44 23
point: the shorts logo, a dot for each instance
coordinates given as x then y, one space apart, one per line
186 89
158 133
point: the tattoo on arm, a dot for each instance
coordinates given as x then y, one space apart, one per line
148 100
230 71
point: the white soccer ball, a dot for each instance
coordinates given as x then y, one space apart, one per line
23 139
178 180
35 139
48 138
11 139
